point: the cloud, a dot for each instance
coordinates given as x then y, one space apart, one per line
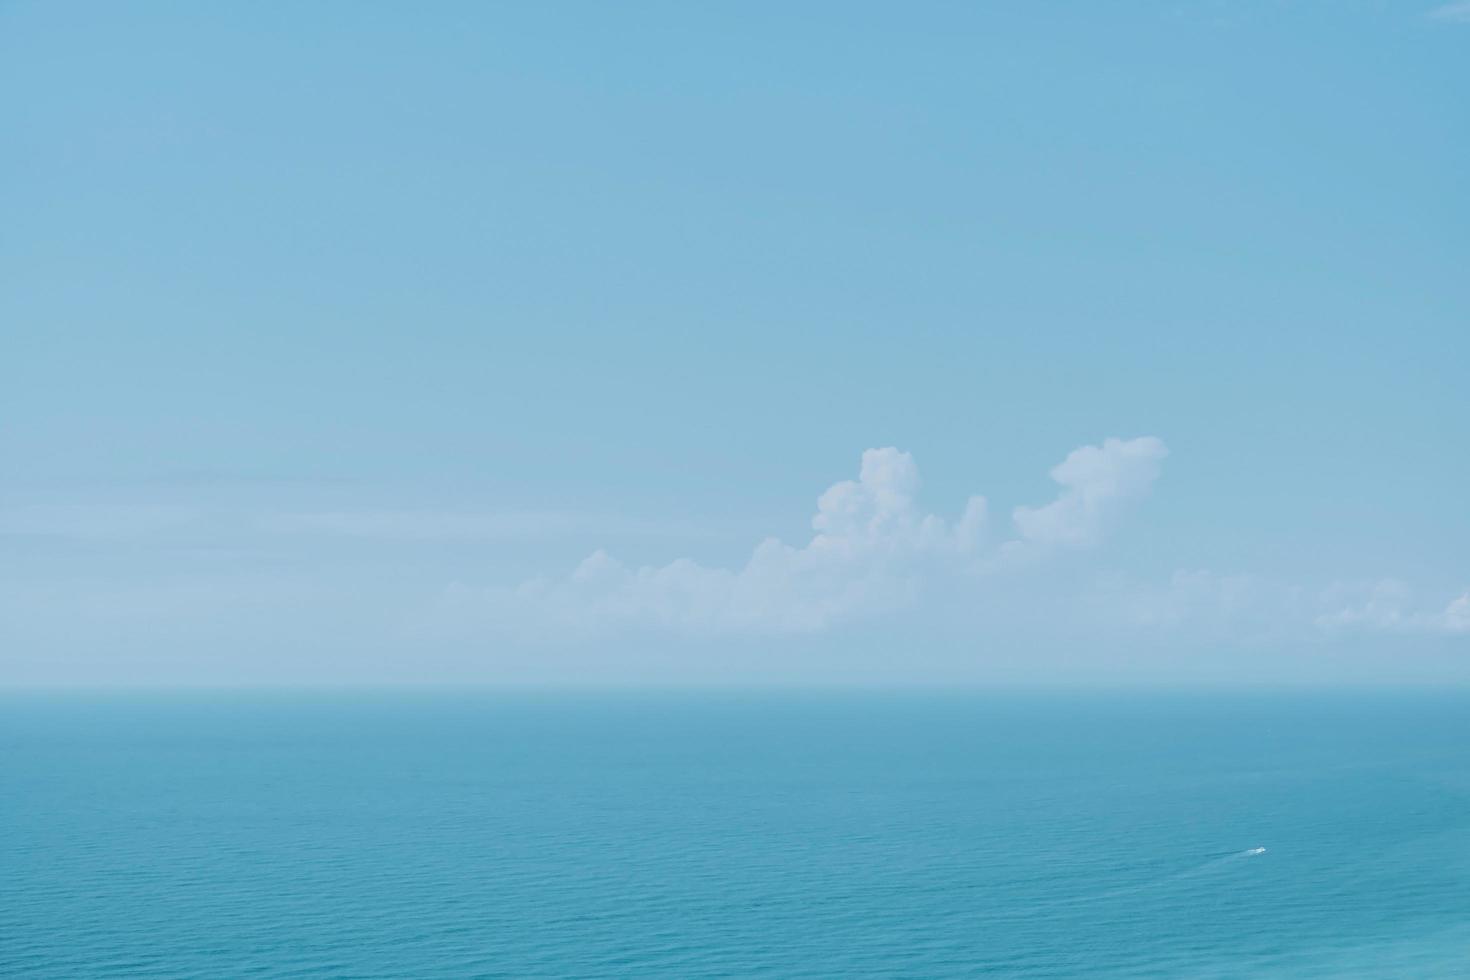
1203 602
1390 605
1456 12
1206 604
1096 482
96 521
873 551
1456 616
421 525
1381 605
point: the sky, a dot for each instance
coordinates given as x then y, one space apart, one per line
925 344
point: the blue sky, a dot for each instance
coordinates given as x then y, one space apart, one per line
335 338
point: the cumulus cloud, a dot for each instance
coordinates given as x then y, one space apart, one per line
872 551
1096 482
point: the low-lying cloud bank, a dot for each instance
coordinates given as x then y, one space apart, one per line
1391 605
872 551
1205 604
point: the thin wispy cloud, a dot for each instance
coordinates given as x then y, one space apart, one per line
424 525
170 519
1458 12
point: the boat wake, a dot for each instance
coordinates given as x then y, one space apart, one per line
1157 883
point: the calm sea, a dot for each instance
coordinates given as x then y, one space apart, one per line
428 836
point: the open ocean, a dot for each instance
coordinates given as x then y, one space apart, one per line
843 835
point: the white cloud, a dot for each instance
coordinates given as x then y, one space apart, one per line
1391 605
872 552
1204 604
1458 12
1456 616
1381 605
1198 600
1096 482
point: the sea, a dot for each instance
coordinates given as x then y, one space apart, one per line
437 834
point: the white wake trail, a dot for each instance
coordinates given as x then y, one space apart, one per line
1158 882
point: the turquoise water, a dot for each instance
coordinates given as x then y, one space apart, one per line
693 836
